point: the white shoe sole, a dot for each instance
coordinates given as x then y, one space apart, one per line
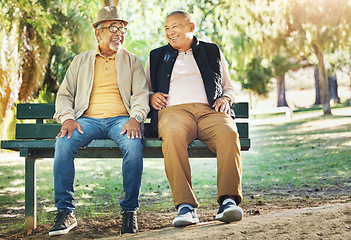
61 232
183 221
232 214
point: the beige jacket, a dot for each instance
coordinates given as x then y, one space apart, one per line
73 96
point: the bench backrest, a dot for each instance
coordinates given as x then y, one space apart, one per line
43 129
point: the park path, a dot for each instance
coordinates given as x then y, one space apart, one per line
325 222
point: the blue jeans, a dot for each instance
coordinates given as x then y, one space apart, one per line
94 128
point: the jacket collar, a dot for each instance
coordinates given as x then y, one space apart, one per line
194 46
195 43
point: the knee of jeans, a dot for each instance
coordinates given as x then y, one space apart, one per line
61 143
133 145
64 144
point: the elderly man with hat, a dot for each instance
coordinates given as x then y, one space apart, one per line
103 95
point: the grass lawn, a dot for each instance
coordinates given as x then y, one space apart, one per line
300 160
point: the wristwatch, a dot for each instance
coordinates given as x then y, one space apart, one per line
137 117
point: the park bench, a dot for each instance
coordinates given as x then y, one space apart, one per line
35 139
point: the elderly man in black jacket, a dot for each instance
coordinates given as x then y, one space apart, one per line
191 89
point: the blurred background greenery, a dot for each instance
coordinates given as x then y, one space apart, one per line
262 40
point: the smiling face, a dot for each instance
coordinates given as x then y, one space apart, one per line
109 42
179 32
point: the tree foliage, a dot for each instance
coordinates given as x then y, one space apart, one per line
38 41
259 28
319 27
293 30
257 77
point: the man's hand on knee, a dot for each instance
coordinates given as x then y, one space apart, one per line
222 105
67 127
132 129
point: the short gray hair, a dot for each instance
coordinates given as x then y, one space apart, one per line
185 14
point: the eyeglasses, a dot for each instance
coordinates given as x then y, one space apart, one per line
114 29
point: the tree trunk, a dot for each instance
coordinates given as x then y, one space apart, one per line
333 89
109 3
316 80
281 92
323 84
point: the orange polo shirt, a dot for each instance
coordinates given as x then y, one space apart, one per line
105 98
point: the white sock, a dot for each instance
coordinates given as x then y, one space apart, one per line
185 205
227 200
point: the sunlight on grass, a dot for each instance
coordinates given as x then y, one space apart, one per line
12 191
348 143
157 165
322 124
300 152
17 182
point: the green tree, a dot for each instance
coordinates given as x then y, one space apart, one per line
340 60
38 40
259 28
319 27
257 77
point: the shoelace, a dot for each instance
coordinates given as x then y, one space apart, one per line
60 217
133 219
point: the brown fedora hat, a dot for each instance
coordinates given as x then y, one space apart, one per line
109 13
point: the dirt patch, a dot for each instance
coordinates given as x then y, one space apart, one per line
291 219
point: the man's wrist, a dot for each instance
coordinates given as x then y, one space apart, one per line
137 118
228 99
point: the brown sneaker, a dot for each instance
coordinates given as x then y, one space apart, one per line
129 224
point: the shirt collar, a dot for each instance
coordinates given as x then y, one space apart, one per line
189 51
194 46
97 52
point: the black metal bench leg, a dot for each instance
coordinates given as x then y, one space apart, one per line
30 194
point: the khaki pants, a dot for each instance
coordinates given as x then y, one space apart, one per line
181 124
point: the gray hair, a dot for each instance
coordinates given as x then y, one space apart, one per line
185 14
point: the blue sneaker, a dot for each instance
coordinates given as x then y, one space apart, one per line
229 212
186 216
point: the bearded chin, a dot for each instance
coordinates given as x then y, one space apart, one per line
115 47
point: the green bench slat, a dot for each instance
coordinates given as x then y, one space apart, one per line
35 111
104 148
241 109
50 130
37 131
151 143
47 110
